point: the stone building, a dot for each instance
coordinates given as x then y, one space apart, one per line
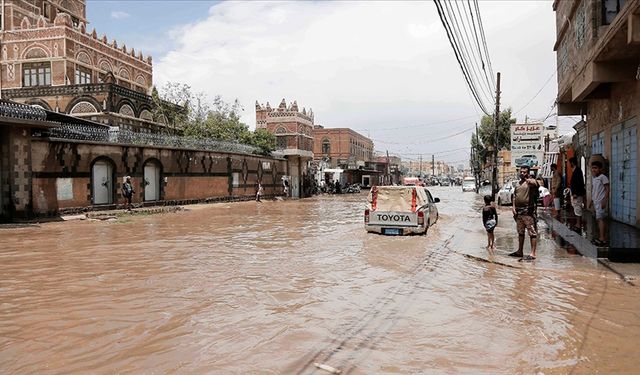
294 138
341 147
53 164
50 59
598 50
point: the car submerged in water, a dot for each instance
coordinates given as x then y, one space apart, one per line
399 210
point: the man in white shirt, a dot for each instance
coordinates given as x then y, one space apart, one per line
599 199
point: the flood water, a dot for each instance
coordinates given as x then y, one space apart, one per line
278 286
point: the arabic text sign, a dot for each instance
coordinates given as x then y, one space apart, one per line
527 145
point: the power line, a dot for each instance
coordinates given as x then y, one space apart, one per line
421 125
438 152
425 142
488 89
537 93
458 55
484 42
467 57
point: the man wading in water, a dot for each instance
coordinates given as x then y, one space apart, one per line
524 210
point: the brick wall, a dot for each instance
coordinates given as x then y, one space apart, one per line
62 175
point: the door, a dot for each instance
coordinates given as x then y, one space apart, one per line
366 181
151 182
102 183
624 151
433 210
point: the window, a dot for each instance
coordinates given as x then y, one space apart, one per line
36 74
83 75
281 142
326 146
610 9
46 10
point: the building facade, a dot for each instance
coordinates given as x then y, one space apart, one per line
50 59
52 164
294 139
598 49
342 147
427 168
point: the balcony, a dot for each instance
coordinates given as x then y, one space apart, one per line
612 58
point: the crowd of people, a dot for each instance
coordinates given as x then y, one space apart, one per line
525 201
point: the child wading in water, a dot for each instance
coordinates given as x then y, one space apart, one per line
490 221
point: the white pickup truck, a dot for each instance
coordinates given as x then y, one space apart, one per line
398 210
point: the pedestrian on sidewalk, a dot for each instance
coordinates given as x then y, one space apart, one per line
490 221
285 182
127 191
556 189
599 199
258 190
523 208
578 192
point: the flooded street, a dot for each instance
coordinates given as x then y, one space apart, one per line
273 288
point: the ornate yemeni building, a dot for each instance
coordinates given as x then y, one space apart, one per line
50 59
294 137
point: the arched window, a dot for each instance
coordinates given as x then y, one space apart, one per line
326 146
281 142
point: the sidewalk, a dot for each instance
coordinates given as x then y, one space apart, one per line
558 247
624 240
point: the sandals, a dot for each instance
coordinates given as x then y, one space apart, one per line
528 258
516 254
599 243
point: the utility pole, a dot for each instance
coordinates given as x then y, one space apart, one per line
433 165
420 176
387 178
494 184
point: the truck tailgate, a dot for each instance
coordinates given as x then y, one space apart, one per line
393 219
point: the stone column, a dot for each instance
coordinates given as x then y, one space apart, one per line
19 173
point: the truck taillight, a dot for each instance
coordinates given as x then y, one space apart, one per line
420 217
366 216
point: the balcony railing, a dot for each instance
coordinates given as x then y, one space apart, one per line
118 136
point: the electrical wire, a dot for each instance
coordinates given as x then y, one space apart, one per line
459 57
426 142
467 57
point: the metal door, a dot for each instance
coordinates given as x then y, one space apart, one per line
151 182
102 183
597 144
624 151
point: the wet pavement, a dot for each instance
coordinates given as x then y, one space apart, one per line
280 287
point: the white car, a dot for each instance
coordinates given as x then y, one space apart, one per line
505 195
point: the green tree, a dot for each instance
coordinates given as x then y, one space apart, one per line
487 130
195 116
485 139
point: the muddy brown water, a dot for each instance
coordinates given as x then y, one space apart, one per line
274 288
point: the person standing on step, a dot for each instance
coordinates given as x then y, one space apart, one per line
599 199
578 192
556 189
259 190
523 208
127 191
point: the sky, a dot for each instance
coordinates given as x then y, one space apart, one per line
384 69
